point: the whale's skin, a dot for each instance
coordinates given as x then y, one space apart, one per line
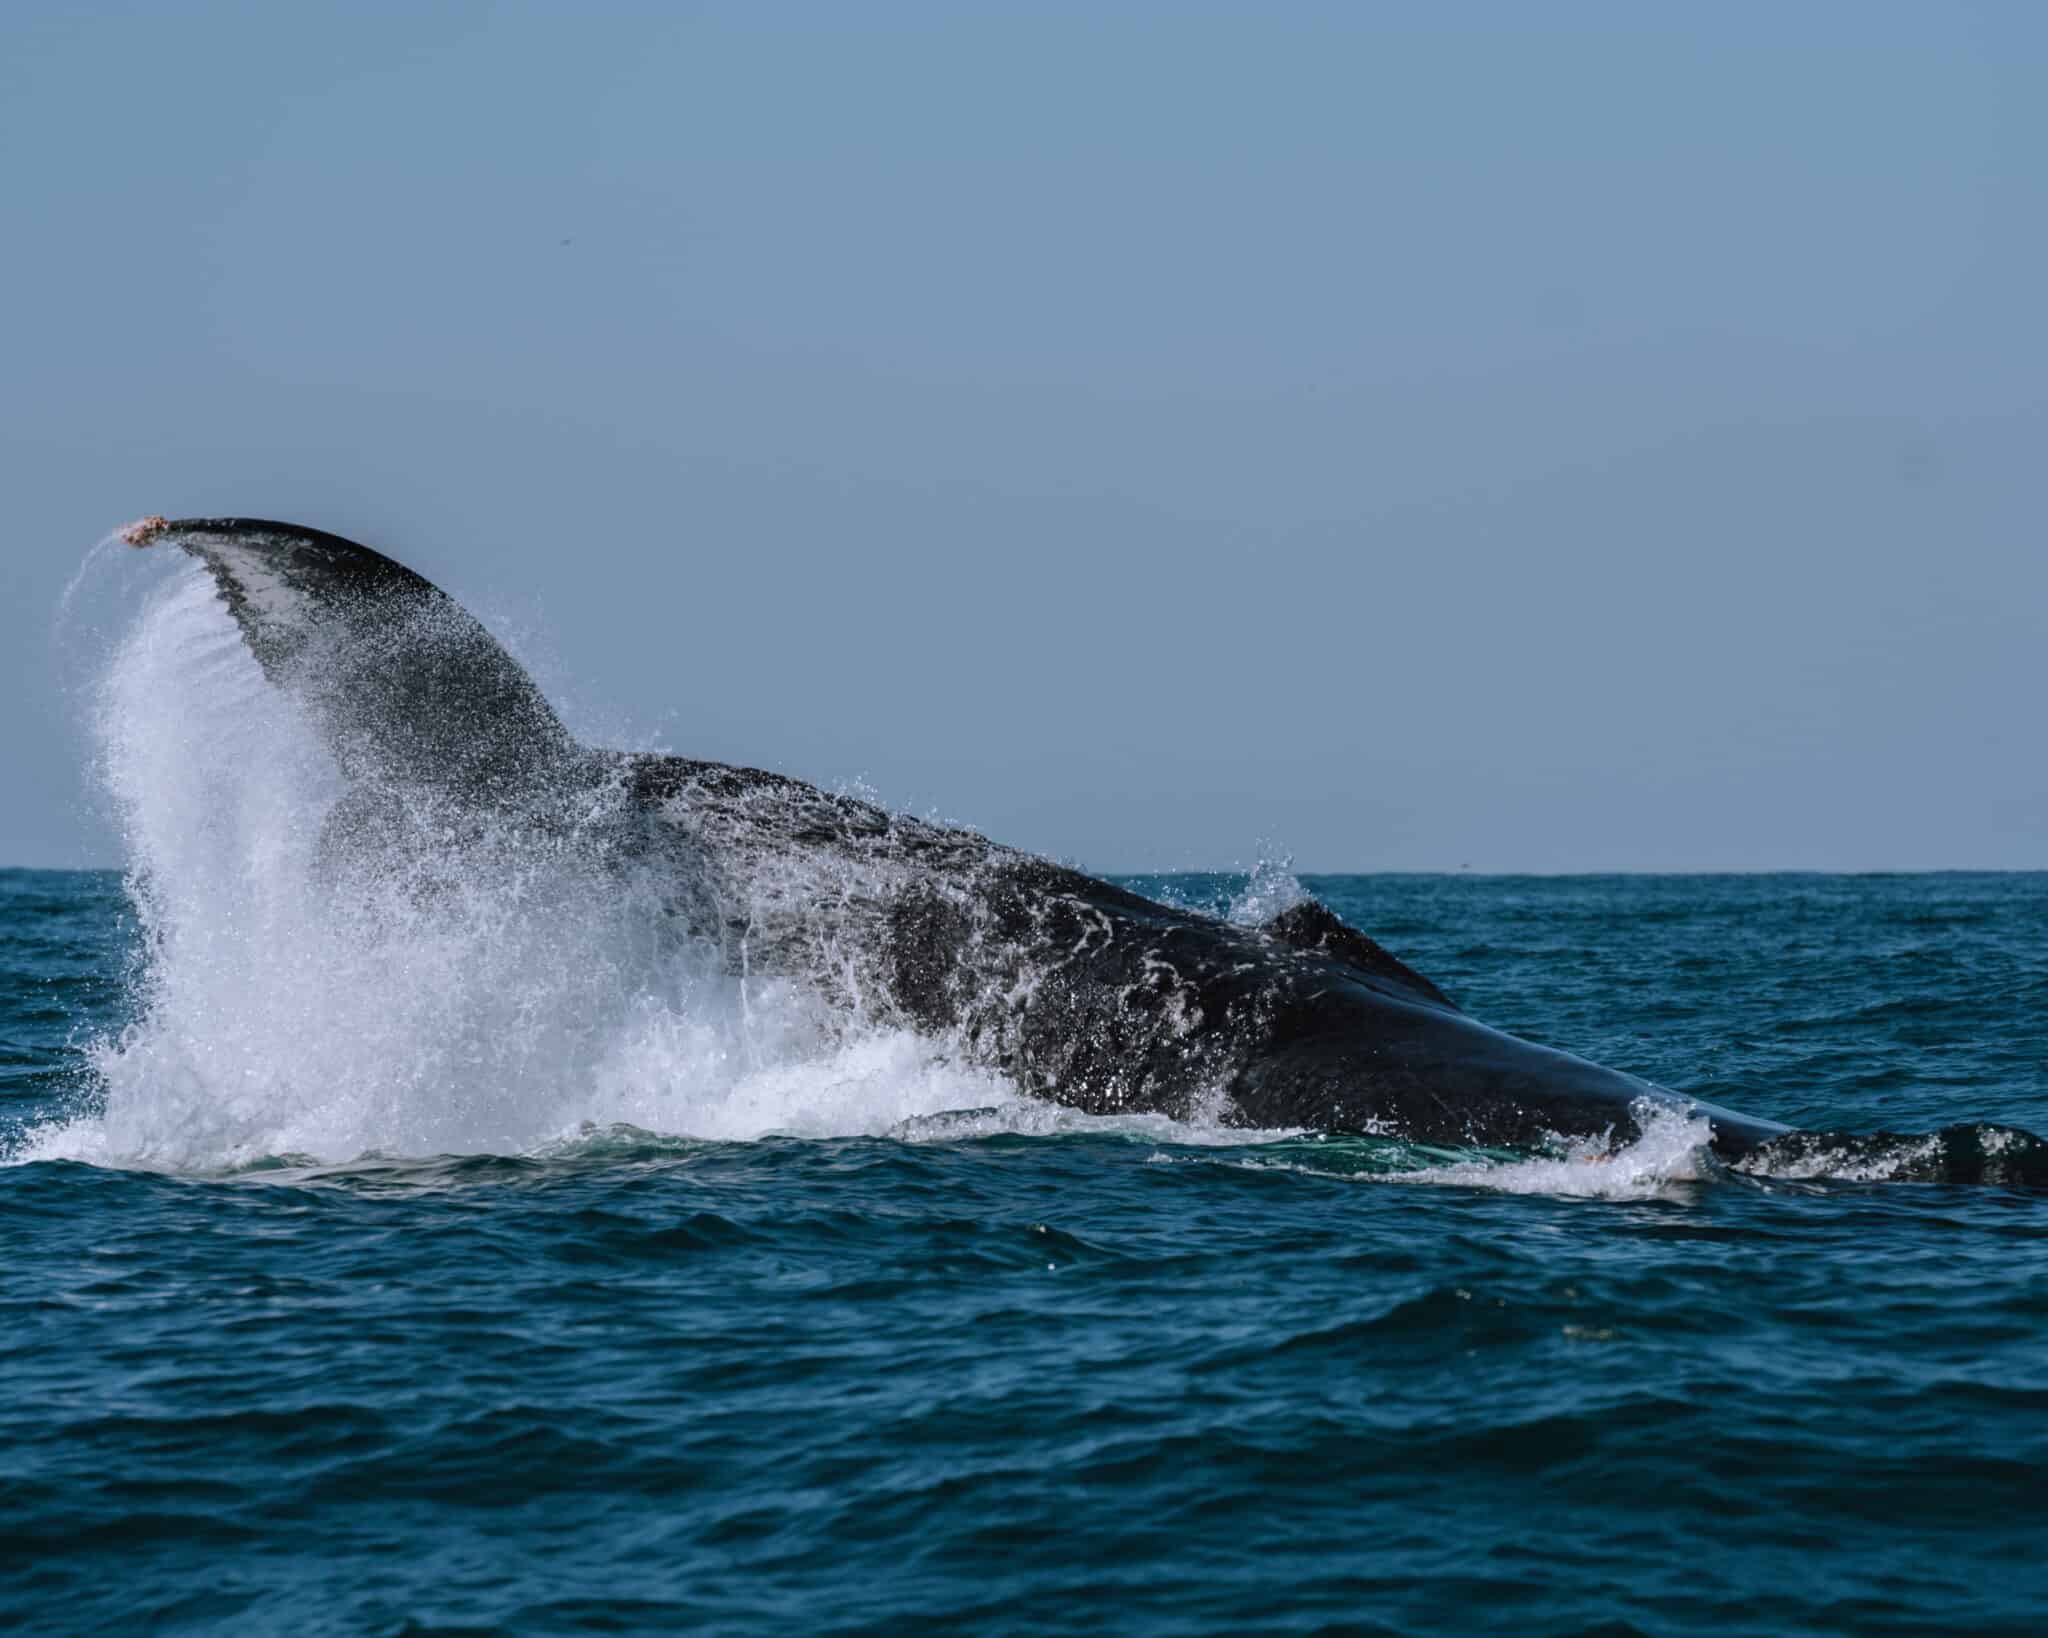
1082 992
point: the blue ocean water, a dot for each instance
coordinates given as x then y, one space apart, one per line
304 1326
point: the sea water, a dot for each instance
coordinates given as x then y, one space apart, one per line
852 1344
459 1257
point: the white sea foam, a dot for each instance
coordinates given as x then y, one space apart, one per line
1671 1148
1027 1117
495 1001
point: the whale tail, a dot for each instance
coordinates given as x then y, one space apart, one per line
407 689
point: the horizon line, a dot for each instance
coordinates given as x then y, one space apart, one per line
1401 870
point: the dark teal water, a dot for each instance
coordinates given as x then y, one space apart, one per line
1043 1379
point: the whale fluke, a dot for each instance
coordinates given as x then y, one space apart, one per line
409 690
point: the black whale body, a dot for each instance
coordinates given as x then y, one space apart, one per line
1082 992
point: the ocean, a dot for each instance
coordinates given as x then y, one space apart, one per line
445 1283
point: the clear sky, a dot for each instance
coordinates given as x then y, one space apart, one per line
1563 436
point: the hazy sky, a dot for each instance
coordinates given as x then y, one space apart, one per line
1575 436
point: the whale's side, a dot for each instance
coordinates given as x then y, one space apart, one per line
1081 991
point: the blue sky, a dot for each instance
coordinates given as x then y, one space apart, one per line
1572 437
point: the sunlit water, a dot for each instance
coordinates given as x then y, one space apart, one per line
443 1248
1025 1372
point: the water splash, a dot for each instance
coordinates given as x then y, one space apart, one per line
490 995
1271 890
1669 1149
103 551
508 994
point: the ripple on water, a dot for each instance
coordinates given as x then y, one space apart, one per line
995 1365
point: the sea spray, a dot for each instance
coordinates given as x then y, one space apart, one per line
470 992
332 966
1670 1148
1271 889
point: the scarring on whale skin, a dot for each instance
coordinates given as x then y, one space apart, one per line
1080 991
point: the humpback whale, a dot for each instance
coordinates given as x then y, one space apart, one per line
1080 991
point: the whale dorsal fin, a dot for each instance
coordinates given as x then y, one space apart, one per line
408 689
1310 926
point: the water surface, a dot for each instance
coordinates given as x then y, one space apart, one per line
853 1340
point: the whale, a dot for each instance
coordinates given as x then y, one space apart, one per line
1079 991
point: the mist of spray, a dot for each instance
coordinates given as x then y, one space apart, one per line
487 994
471 992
